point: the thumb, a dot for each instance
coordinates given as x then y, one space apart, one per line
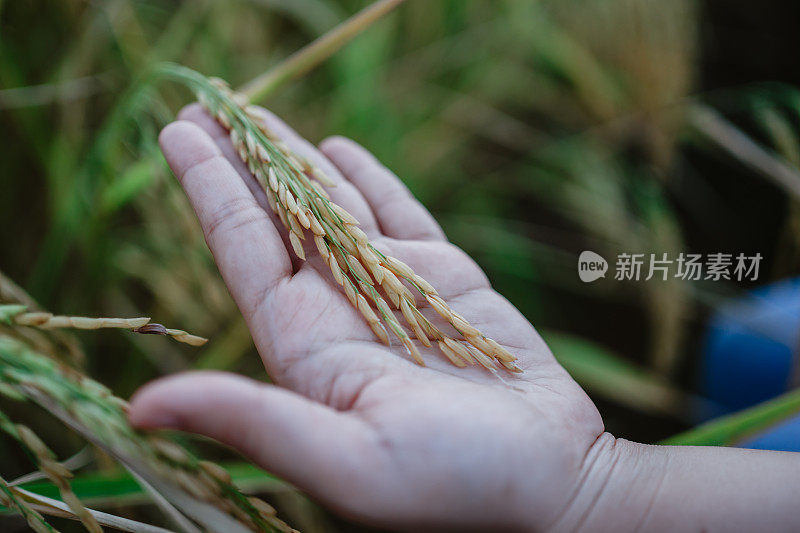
306 443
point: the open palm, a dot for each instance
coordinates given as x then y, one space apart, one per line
361 427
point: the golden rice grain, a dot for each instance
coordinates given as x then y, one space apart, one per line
439 306
451 355
358 269
215 471
297 246
412 350
460 349
463 326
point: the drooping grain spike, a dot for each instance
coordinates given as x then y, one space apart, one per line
299 197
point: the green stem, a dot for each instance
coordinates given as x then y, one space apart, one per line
734 428
317 51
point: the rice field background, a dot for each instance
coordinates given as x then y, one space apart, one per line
532 130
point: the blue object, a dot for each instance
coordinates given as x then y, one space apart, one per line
752 348
783 437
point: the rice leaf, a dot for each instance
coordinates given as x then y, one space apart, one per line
731 429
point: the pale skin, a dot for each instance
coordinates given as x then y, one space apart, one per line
381 440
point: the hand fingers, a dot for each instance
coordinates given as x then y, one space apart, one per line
399 214
195 113
246 245
308 444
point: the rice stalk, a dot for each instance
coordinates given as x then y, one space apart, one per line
296 192
56 472
200 489
316 52
188 489
17 314
11 500
53 507
74 462
57 343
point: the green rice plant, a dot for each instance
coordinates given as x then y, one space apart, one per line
200 490
14 502
119 487
188 489
733 429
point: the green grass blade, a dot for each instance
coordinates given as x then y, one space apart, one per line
119 487
318 51
732 429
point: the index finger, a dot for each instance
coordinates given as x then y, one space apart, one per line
399 214
246 245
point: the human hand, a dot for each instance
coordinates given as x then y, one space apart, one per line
356 423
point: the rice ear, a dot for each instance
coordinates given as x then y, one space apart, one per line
296 188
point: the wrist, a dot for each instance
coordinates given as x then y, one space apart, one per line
617 485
